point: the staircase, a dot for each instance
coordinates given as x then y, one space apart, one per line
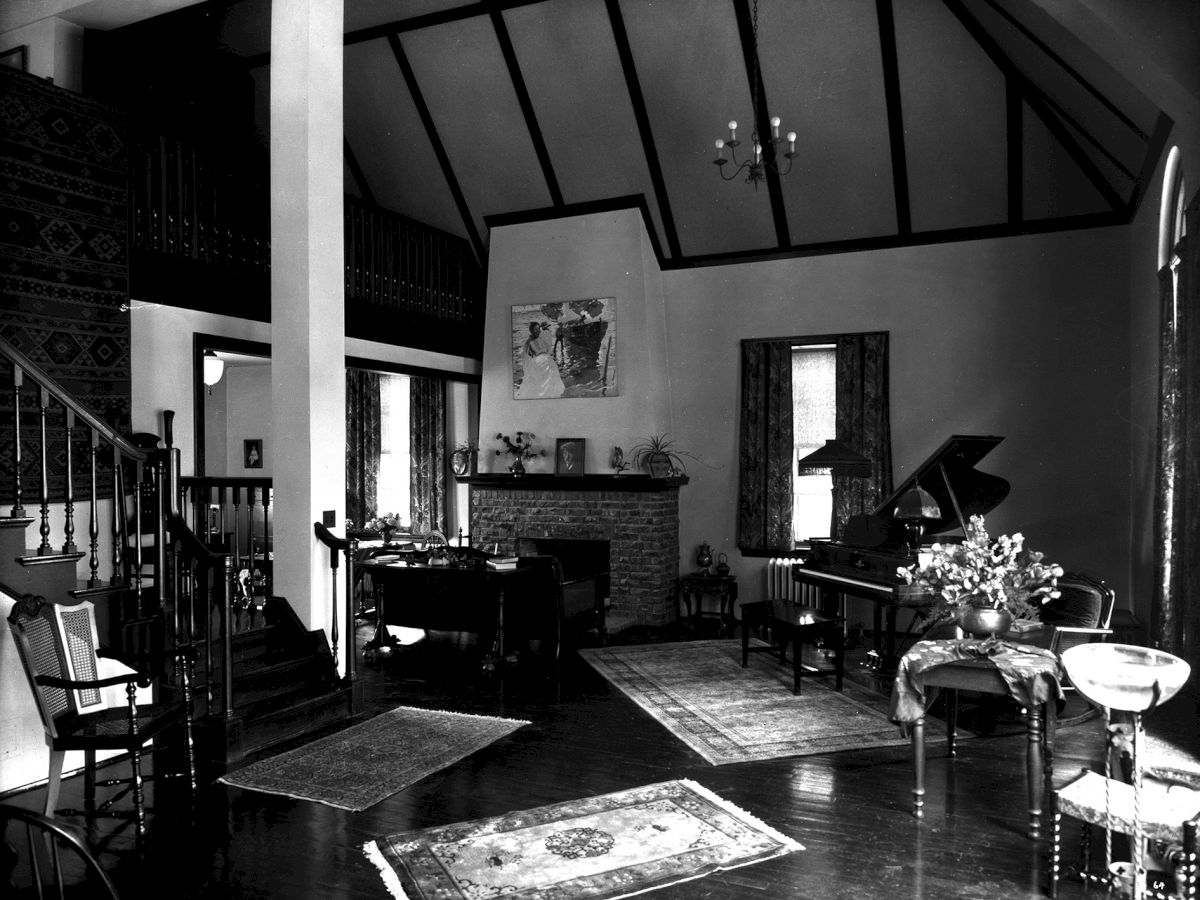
260 677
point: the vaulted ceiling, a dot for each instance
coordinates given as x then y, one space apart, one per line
917 120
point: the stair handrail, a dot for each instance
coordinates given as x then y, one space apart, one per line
187 546
349 547
60 393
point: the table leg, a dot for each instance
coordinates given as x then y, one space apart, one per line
1034 719
951 721
918 750
496 653
1055 846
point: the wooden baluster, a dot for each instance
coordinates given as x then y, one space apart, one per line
18 511
351 656
69 525
237 530
268 571
119 530
44 549
94 519
138 475
226 603
251 543
333 617
221 516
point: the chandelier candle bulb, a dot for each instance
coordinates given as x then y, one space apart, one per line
775 127
732 131
720 145
791 136
758 153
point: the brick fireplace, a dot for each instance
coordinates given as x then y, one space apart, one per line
637 515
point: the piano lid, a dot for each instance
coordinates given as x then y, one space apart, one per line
949 474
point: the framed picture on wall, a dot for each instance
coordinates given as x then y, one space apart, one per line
253 451
568 456
565 349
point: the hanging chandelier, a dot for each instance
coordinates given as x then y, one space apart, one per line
759 162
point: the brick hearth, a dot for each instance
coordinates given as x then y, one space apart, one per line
638 516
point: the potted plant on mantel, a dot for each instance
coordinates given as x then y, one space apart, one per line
659 456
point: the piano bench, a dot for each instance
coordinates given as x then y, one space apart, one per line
794 625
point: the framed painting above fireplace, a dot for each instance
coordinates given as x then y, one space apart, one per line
565 349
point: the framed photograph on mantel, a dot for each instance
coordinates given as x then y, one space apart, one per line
565 349
568 456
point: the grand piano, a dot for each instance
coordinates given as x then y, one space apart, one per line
863 562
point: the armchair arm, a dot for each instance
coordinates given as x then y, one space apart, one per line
140 679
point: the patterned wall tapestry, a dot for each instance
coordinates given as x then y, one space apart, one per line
63 240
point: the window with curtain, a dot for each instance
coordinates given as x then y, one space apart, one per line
395 454
844 394
396 449
1175 610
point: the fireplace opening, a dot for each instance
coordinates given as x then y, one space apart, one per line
585 585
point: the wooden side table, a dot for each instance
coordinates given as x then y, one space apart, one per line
723 587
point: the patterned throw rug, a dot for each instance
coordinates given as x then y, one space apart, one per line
605 847
390 752
699 692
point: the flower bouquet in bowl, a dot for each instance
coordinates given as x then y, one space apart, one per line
985 584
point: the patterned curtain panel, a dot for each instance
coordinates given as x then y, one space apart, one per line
765 453
63 238
863 423
427 417
362 445
1176 609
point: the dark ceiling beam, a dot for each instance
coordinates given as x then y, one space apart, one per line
1105 219
441 17
638 102
1088 136
1038 103
356 172
1158 144
1014 106
889 57
439 149
522 92
745 22
1066 67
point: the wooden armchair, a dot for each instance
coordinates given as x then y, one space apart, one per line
40 858
75 686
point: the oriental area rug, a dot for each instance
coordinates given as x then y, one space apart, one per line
699 692
356 768
605 847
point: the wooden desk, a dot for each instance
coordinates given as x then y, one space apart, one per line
452 598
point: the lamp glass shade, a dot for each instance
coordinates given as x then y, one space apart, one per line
917 503
835 458
214 367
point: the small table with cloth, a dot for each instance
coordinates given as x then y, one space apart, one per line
1028 674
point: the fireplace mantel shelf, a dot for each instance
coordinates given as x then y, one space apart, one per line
548 482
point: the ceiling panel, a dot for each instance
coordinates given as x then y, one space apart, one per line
693 76
824 78
361 14
567 53
384 131
953 101
461 73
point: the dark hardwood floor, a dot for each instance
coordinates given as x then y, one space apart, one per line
850 810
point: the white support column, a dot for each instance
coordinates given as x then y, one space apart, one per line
308 394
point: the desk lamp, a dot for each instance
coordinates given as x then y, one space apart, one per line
914 508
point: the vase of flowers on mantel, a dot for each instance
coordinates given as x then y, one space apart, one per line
985 585
520 449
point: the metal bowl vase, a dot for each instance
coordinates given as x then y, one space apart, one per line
1124 676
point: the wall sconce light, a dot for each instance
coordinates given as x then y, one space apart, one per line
214 367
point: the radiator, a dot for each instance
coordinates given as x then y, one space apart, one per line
781 585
